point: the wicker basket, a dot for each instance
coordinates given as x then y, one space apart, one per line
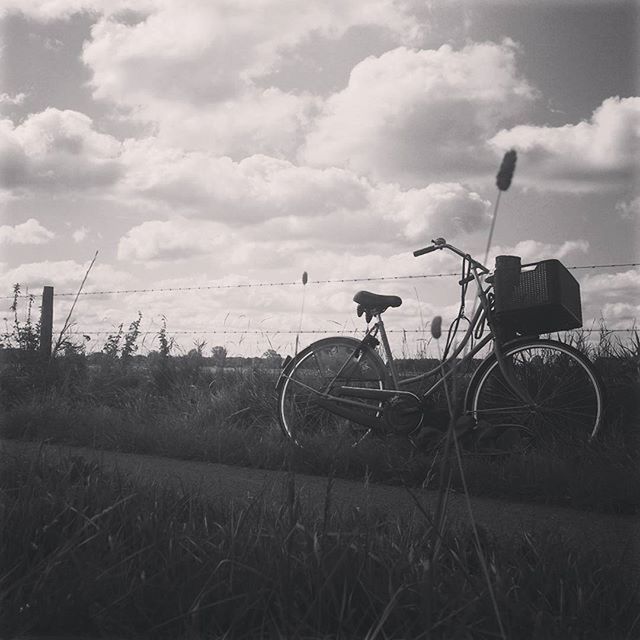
545 298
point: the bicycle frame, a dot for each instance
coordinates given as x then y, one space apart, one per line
445 369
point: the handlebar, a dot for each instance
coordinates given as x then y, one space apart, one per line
441 243
421 252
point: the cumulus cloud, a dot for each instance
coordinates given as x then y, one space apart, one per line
622 315
629 209
29 232
254 189
330 204
196 68
613 297
418 114
63 274
624 285
439 209
534 251
587 156
221 44
171 240
299 209
12 100
80 234
57 150
46 10
267 121
61 151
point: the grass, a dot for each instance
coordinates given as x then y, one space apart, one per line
172 407
84 552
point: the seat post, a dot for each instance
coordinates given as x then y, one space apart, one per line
387 350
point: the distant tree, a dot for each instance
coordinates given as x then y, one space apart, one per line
219 355
199 345
273 358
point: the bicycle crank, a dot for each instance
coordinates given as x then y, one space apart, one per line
403 413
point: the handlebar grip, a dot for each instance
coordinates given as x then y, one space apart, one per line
421 252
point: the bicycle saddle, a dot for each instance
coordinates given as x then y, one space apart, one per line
373 303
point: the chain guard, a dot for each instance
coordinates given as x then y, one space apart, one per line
403 413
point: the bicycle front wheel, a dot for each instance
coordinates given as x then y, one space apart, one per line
564 393
319 369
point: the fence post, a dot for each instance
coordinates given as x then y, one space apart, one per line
46 322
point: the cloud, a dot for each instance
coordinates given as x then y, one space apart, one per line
266 121
29 232
252 190
57 151
63 274
620 315
416 115
612 297
211 49
593 154
172 240
439 209
534 251
47 10
80 234
60 152
12 100
328 204
623 286
297 209
629 209
197 69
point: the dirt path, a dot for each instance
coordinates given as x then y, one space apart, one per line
619 534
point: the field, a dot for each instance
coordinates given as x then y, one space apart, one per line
86 552
179 406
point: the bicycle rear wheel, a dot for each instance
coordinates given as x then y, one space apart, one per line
565 392
321 368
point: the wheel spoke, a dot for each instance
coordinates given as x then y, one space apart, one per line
558 379
320 368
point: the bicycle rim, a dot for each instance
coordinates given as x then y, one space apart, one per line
321 368
565 397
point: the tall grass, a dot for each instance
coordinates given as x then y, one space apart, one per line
84 552
171 405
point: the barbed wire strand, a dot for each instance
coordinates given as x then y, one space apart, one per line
249 285
270 333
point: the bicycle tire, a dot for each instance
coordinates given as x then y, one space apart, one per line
315 368
567 390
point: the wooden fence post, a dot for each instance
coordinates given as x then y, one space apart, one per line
46 322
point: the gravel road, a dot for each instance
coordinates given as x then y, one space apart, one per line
585 530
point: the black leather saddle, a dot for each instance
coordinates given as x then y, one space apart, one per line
373 304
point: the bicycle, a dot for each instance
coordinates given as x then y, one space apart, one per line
341 387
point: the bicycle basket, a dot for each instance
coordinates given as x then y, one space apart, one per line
545 298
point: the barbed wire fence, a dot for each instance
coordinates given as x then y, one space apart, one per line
47 308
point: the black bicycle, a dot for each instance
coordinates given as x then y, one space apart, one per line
340 387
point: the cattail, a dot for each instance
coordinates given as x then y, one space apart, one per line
503 181
436 327
508 166
305 278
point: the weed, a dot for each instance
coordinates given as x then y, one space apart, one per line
85 552
170 404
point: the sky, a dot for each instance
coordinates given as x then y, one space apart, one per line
201 143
